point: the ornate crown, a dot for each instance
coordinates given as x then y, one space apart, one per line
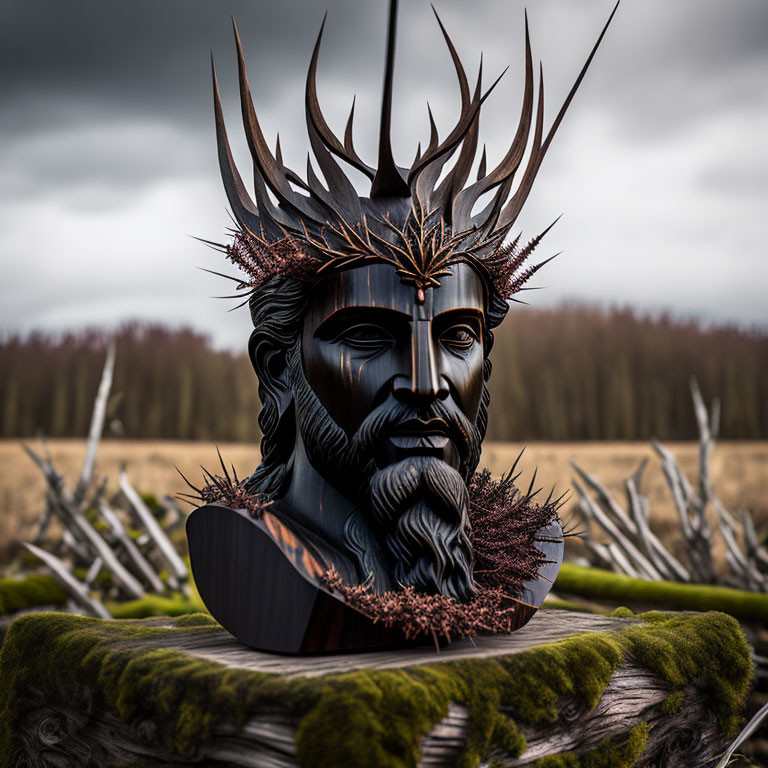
417 218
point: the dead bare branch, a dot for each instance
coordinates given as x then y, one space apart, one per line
745 555
78 591
142 565
97 424
159 539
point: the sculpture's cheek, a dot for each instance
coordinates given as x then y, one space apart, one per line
465 375
349 384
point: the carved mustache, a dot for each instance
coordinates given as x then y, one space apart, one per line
396 418
342 454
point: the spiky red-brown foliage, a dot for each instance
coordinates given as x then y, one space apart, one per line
262 260
421 253
505 524
227 489
505 266
415 613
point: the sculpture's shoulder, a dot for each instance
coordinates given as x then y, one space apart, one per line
264 583
221 529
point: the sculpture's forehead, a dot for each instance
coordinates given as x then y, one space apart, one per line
377 285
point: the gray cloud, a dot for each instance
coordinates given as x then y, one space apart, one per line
107 149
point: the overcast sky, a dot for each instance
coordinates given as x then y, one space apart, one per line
108 165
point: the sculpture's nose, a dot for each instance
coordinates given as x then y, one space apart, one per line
424 381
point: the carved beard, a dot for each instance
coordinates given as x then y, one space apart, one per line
422 505
419 504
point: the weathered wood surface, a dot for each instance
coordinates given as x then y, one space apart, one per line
85 734
545 627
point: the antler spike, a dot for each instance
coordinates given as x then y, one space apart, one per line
346 152
388 182
341 199
271 172
506 169
460 73
278 150
242 205
481 167
445 194
458 133
514 206
349 145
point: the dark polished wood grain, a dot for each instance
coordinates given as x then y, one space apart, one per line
261 583
262 590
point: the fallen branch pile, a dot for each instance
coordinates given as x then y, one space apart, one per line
633 549
131 545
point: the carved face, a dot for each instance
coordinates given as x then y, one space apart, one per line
388 386
369 343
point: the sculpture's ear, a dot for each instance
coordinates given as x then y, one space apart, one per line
269 360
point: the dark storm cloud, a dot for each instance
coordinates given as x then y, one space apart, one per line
146 56
151 55
679 62
118 155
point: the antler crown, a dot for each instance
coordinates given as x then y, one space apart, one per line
414 218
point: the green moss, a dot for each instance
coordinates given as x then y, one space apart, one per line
622 612
155 605
610 753
673 702
103 580
675 649
565 605
605 585
153 505
339 730
580 667
366 718
30 592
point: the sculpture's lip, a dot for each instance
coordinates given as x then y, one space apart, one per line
420 443
420 428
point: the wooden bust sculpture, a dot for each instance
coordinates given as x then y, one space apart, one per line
365 523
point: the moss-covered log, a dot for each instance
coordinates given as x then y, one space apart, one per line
668 595
568 690
32 591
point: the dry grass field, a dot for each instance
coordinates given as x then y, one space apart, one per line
739 473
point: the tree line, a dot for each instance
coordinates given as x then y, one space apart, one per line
571 373
169 384
581 373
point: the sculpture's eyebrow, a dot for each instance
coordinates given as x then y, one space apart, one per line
472 312
360 313
457 314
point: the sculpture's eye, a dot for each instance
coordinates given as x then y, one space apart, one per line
459 338
365 336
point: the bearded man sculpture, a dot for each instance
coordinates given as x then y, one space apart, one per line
365 523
